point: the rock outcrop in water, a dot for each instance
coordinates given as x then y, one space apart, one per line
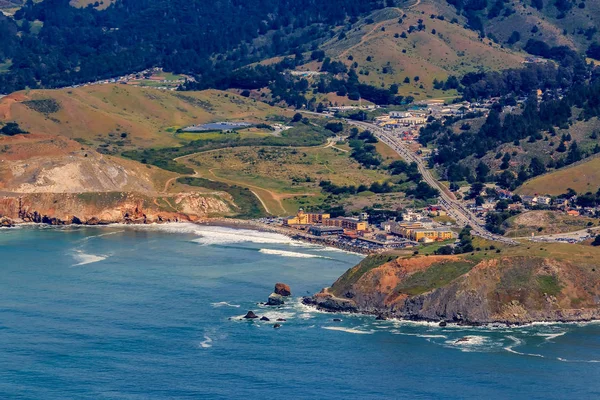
282 289
560 284
276 298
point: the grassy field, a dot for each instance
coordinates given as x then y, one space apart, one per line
145 116
584 177
286 178
545 223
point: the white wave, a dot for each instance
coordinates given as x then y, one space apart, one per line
84 258
274 315
206 343
550 336
421 335
224 304
283 253
469 343
517 343
577 361
348 330
85 239
210 235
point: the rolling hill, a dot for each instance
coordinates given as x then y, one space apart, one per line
416 41
583 177
120 117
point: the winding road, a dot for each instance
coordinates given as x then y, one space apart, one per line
454 208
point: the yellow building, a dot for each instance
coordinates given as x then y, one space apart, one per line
353 224
419 235
303 218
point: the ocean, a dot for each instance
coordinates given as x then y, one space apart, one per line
154 312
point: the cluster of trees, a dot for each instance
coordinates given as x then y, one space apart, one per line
207 39
571 70
296 92
465 244
11 129
537 121
363 149
402 167
375 187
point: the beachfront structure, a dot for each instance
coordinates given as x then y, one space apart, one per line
319 230
353 224
417 232
303 218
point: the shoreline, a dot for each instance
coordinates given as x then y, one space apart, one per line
383 316
216 222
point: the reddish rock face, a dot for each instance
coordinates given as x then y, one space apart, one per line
282 289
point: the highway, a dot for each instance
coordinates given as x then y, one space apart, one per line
454 208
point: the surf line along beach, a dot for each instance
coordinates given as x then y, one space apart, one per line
291 233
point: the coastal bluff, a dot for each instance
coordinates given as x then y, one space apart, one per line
554 284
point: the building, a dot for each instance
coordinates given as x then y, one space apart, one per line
424 235
573 213
318 230
417 232
353 224
303 218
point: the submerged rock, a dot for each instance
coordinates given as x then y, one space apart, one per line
443 323
264 319
250 315
281 319
277 326
275 300
337 320
380 317
282 289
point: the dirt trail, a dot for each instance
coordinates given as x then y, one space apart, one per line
376 28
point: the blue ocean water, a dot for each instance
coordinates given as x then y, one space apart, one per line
154 313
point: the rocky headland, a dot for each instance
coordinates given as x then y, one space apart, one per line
560 283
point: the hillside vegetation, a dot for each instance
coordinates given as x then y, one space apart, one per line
558 282
415 40
115 118
582 178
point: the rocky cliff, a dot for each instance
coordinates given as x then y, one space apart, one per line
55 180
523 287
111 207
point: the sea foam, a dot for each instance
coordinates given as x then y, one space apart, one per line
85 258
283 253
348 330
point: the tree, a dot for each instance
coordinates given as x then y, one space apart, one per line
596 241
537 167
482 171
297 117
502 205
11 129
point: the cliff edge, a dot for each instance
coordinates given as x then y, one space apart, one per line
558 283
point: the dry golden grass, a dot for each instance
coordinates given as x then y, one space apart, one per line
149 117
452 50
582 178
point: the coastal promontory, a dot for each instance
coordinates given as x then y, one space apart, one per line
521 284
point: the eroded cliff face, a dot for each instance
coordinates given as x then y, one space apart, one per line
111 207
519 289
55 180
